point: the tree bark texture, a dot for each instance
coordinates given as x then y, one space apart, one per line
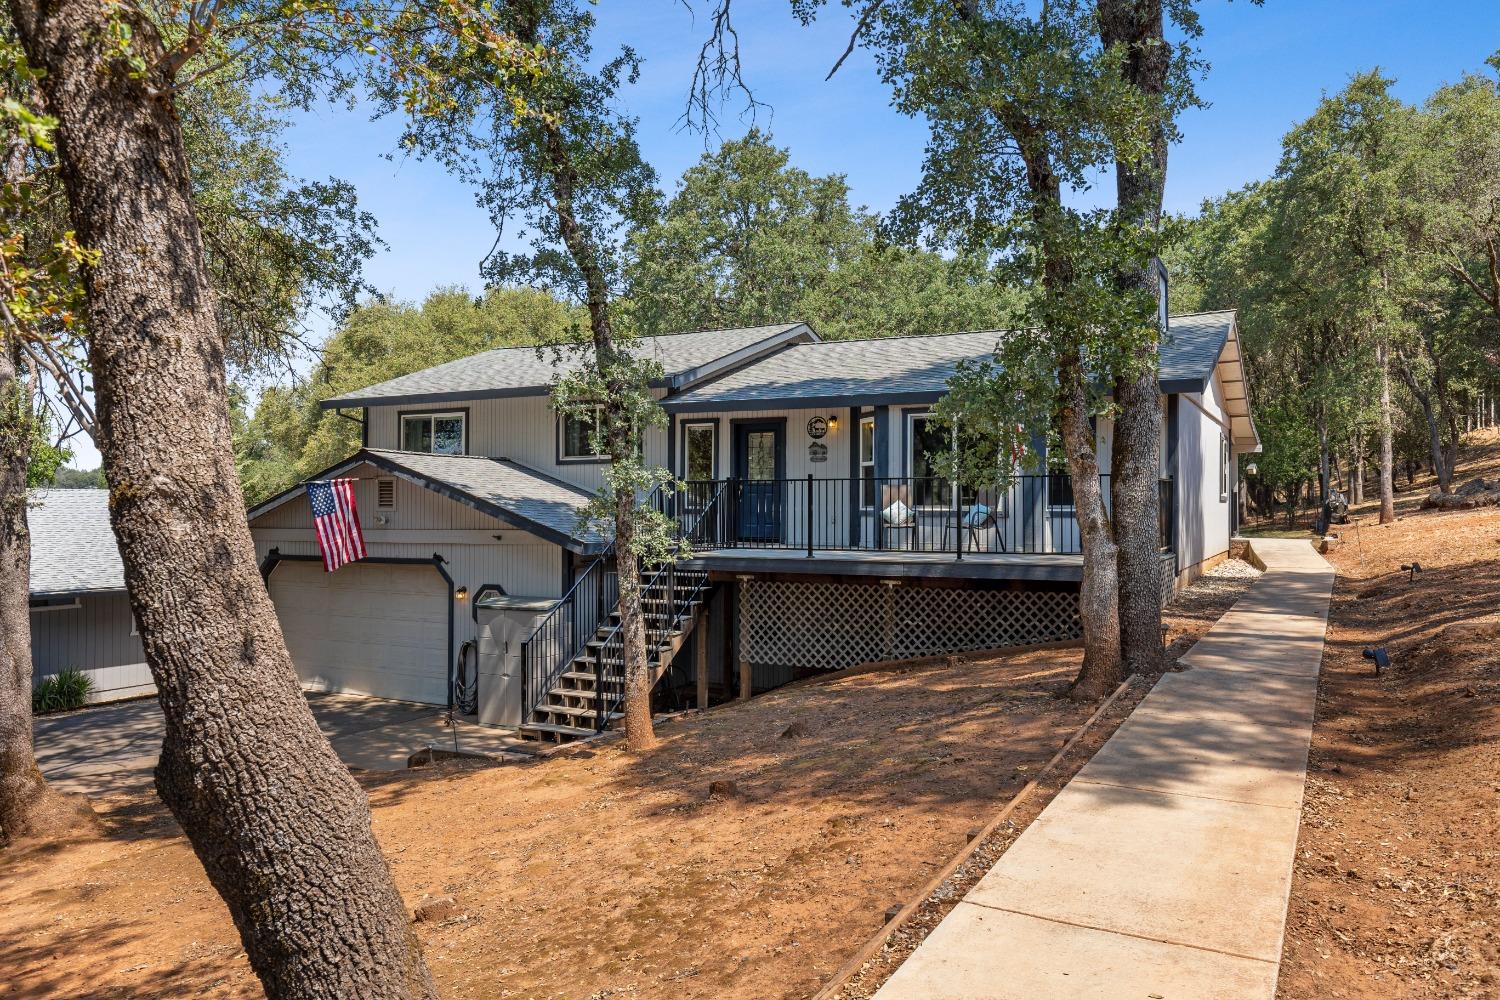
1387 444
1099 591
29 807
281 827
1136 449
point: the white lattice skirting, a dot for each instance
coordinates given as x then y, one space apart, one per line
830 626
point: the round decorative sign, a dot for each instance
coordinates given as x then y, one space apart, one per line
817 427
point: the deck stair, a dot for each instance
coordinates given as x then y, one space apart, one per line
585 694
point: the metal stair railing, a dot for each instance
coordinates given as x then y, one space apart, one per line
681 589
558 638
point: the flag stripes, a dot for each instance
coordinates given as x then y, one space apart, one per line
340 539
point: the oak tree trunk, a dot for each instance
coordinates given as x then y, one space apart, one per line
281 827
1099 591
29 807
1387 445
1358 481
559 167
1136 449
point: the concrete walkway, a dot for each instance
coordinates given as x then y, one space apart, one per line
1162 870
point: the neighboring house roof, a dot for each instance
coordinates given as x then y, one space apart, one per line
73 548
505 490
686 358
900 370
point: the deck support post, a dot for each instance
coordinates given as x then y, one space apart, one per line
700 658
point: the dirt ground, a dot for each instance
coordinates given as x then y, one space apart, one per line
1397 881
597 874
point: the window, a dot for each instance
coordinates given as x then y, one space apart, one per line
435 433
578 433
1059 479
385 494
867 462
700 460
1224 459
928 446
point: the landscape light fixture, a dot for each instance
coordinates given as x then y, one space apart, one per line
1412 569
1381 657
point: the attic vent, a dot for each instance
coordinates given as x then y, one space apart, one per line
385 494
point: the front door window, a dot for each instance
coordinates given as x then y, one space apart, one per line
760 455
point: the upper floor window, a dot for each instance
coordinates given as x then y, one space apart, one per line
579 433
437 433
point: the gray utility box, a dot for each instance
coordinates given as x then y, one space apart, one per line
505 622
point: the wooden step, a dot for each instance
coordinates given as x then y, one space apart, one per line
556 729
592 713
589 675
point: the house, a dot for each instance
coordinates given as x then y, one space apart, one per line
80 614
821 531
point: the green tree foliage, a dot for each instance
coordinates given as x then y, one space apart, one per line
1362 271
748 239
291 437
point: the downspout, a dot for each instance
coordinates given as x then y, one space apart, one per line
362 420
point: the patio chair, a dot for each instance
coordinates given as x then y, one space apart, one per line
895 515
984 514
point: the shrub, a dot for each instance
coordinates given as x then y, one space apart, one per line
61 692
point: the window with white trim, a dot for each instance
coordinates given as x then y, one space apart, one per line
699 452
435 433
867 462
579 432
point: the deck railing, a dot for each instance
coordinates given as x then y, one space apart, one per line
1031 514
549 649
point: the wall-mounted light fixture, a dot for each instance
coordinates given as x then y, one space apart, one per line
461 594
1251 469
833 421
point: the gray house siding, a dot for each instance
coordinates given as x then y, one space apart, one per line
94 638
476 549
523 429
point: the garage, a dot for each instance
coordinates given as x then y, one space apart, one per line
366 628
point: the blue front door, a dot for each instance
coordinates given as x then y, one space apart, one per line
758 465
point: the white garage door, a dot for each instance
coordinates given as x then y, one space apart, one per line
366 628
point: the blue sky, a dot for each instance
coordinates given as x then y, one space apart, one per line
1268 67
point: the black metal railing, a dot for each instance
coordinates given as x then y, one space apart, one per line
1029 514
667 597
554 643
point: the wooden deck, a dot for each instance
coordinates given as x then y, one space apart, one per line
892 564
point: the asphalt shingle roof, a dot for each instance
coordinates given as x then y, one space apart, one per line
916 369
518 370
73 548
1193 344
512 491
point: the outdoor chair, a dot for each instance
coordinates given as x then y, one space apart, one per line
896 515
985 513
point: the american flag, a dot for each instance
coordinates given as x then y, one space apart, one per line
339 537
